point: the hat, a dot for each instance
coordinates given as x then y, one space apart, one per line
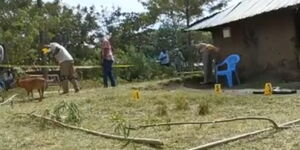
47 45
45 50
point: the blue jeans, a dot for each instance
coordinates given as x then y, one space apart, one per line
107 73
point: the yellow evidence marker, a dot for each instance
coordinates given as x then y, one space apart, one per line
136 95
218 88
268 89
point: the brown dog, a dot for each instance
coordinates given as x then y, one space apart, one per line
29 84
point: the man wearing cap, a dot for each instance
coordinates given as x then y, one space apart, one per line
66 63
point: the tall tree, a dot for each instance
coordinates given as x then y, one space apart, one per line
42 39
182 10
26 25
18 27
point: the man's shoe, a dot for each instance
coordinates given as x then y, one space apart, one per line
76 91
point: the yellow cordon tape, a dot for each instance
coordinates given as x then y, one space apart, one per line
77 67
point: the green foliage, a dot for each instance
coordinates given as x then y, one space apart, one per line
23 24
120 124
26 25
176 15
18 29
145 68
67 112
122 127
179 10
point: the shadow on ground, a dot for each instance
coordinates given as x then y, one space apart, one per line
194 82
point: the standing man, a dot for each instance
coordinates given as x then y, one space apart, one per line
178 60
2 53
2 56
66 66
209 56
107 62
164 58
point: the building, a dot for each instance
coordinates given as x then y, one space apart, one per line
266 34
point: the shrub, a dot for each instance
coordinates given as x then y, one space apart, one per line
181 103
67 112
203 108
161 109
145 68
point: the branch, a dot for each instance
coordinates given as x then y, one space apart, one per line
275 125
227 140
152 142
8 100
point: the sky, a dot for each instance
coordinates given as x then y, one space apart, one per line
126 5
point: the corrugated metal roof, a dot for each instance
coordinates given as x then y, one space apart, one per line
242 10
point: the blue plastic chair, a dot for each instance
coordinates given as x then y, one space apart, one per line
231 63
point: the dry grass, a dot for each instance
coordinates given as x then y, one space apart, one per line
98 106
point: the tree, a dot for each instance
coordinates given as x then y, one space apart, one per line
18 28
27 25
181 10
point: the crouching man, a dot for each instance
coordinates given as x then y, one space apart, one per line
210 56
66 65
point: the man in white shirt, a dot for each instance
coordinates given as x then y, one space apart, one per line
66 63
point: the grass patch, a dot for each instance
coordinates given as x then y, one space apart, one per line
203 108
181 103
161 108
109 110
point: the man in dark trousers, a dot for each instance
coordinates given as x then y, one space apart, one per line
107 62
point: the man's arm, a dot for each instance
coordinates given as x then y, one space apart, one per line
181 56
162 57
56 51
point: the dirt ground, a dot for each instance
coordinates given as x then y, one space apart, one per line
246 87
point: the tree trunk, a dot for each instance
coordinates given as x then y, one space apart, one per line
187 15
42 41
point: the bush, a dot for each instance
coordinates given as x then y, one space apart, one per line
161 109
144 68
181 103
203 108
